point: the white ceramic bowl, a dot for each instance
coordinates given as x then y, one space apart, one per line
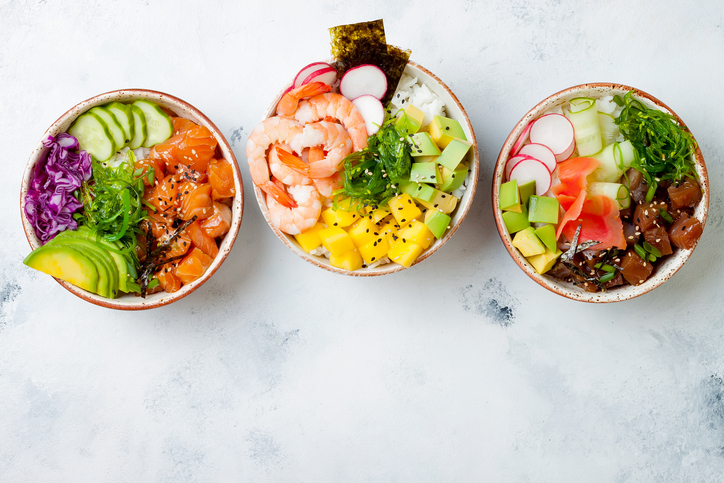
455 111
663 270
179 108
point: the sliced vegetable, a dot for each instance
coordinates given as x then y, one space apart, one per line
584 117
327 75
532 170
363 80
93 136
158 123
541 153
307 71
556 132
372 111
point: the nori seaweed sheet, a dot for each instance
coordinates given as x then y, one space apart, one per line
364 43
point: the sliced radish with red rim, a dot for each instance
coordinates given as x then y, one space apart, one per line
327 75
363 80
512 162
541 153
521 140
532 170
372 111
556 132
307 70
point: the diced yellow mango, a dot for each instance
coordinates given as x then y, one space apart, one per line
403 208
544 262
339 217
388 229
416 232
336 240
404 252
362 231
379 214
374 249
350 260
309 240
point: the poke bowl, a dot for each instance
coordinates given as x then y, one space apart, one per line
588 215
132 200
363 226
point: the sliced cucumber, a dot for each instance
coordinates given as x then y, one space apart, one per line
123 115
114 127
158 123
93 136
139 120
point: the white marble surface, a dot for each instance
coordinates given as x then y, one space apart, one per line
459 369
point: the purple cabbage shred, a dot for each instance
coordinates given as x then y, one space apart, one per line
50 204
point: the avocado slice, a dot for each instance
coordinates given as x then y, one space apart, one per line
66 264
107 271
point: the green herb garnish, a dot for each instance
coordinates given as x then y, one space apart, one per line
113 200
372 175
663 148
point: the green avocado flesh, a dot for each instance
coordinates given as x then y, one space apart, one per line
66 264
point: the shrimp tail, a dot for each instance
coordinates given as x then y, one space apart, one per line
292 161
289 101
278 192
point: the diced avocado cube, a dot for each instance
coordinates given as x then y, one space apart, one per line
410 119
526 190
543 209
423 145
509 197
426 159
403 208
424 173
309 240
528 242
438 222
443 201
452 180
454 153
544 262
350 260
443 130
515 222
419 191
547 234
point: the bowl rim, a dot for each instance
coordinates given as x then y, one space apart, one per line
568 290
165 100
461 211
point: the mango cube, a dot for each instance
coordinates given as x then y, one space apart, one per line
403 208
362 231
389 230
379 214
454 153
416 232
404 252
423 145
374 249
350 260
309 240
339 217
336 240
528 242
544 262
443 130
410 119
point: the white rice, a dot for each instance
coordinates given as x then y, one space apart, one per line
411 91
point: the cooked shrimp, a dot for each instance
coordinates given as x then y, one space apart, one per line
327 186
289 101
281 170
295 220
332 138
337 107
266 133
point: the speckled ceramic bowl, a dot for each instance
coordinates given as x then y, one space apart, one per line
179 108
664 270
455 111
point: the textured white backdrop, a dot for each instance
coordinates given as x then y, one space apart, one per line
459 369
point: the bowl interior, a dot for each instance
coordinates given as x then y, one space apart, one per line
179 108
455 111
664 270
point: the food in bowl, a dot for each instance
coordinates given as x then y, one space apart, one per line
359 167
600 190
129 198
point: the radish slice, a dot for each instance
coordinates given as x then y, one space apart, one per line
521 140
372 111
510 164
556 132
532 170
363 80
541 153
306 71
328 75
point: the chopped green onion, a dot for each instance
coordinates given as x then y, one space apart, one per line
665 215
652 249
640 251
608 277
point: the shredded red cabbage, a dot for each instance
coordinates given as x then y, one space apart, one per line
50 204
